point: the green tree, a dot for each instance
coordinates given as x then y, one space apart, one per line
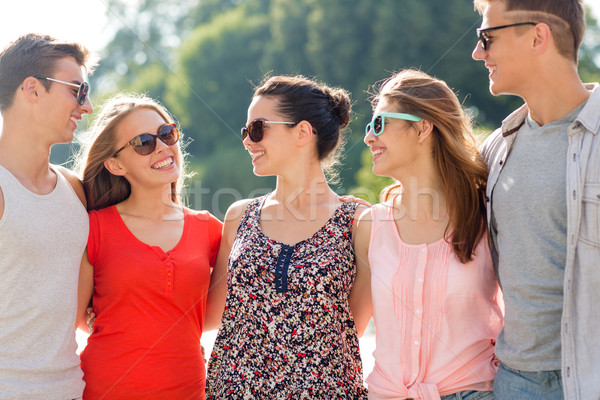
211 91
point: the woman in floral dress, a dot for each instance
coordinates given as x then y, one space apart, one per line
286 261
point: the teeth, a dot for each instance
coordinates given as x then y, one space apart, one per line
163 164
257 154
377 152
74 120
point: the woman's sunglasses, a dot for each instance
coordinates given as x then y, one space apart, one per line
255 129
82 89
377 125
145 143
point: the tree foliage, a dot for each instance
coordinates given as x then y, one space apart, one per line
202 58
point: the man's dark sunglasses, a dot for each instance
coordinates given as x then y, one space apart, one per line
82 89
482 34
145 143
255 129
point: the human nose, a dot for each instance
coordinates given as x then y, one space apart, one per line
160 145
479 52
246 140
87 107
369 137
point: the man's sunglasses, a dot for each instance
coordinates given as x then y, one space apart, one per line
482 34
377 125
145 143
82 89
255 129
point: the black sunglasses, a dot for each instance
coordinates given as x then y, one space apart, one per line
482 34
145 143
82 89
255 129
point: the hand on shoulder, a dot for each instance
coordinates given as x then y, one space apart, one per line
352 199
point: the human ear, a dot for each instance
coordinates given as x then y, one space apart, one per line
542 38
424 129
30 88
114 167
304 132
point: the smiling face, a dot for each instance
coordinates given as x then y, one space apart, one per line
271 155
506 55
159 168
396 148
58 109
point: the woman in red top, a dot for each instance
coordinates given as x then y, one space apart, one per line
148 260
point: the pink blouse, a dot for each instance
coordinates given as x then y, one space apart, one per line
436 319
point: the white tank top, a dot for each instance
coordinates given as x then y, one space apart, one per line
42 239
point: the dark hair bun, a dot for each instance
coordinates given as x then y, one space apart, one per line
341 107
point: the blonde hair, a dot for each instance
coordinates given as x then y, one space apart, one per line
102 188
461 168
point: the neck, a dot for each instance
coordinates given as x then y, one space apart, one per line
555 94
308 187
423 196
151 204
21 154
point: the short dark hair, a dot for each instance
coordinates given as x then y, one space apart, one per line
566 19
34 54
326 109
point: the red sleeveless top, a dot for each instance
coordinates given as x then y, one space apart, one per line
150 308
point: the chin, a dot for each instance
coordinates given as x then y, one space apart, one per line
65 140
258 172
378 171
498 90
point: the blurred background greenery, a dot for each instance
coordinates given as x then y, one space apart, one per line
201 58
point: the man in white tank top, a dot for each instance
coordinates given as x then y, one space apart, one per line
43 220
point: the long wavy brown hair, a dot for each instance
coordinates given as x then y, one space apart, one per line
462 170
102 188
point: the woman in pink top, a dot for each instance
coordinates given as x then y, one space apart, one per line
436 302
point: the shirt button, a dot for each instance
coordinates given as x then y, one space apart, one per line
169 283
423 250
420 280
418 311
169 274
416 342
169 263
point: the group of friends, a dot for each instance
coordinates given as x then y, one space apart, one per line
480 267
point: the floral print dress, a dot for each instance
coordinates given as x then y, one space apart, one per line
287 331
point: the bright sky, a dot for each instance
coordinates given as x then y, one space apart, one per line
77 20
73 20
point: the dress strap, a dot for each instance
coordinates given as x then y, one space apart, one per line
251 216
